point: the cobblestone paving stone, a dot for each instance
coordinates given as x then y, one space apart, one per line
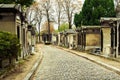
61 65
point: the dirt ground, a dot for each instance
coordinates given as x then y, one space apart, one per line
21 71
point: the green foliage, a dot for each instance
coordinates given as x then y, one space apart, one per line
92 11
9 45
26 3
56 31
7 1
78 20
63 27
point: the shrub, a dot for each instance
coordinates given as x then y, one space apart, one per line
9 46
93 10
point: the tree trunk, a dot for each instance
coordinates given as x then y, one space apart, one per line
70 26
58 24
48 26
49 31
39 32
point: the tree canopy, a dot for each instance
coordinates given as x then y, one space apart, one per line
26 3
92 10
78 19
63 27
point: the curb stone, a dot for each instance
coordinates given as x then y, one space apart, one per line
34 68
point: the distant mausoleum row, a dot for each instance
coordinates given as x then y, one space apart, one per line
102 39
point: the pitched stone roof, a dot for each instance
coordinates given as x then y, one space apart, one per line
84 27
10 7
109 19
70 31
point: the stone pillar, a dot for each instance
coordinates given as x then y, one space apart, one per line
118 24
117 47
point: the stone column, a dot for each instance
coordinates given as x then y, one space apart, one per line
118 24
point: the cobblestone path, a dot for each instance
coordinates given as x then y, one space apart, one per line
61 65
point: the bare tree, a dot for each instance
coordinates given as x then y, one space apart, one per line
30 14
47 6
39 17
35 16
71 7
59 11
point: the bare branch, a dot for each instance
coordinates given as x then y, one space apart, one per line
70 7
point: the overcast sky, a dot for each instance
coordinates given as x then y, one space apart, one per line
55 25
